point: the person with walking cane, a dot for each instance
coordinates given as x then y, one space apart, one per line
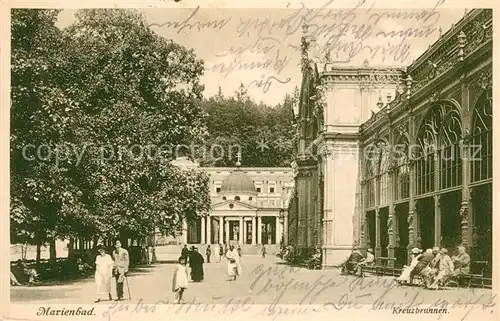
122 261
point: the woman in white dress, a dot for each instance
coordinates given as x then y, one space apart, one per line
233 263
180 279
405 274
103 273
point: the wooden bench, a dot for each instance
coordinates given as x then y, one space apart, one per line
470 277
379 269
385 267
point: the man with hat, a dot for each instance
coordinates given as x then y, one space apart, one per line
368 261
349 266
122 262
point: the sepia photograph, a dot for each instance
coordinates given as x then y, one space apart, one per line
285 161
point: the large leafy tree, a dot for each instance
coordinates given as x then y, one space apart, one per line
263 133
41 120
111 97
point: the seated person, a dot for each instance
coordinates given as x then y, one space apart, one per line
430 272
368 261
423 262
13 280
24 273
405 274
445 269
315 261
461 262
350 265
82 266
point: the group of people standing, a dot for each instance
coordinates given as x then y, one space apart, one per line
435 266
107 267
193 259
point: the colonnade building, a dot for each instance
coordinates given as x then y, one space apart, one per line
249 205
392 159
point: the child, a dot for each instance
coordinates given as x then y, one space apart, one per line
180 280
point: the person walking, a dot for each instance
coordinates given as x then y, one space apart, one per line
221 252
196 264
103 273
208 252
180 280
263 251
122 262
233 265
185 251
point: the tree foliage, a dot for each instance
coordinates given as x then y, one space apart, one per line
103 95
265 134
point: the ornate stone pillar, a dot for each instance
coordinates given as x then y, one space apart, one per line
209 230
437 220
391 233
221 229
412 211
202 240
254 229
466 204
378 249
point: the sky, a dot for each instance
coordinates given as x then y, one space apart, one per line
260 48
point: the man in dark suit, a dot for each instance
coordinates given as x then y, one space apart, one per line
423 262
349 266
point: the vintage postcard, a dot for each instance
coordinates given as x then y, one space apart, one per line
262 160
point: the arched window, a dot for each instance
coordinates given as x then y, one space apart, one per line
481 147
427 150
236 198
401 182
450 151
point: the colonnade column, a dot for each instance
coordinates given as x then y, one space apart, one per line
437 221
245 232
241 230
254 228
277 231
221 229
209 230
285 229
259 230
226 225
378 249
203 239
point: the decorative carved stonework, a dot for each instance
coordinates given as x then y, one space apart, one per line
485 80
432 70
389 223
435 96
464 215
409 219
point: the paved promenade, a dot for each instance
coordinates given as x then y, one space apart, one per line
264 281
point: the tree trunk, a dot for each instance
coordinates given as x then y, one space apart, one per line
96 240
38 252
82 247
70 247
52 250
